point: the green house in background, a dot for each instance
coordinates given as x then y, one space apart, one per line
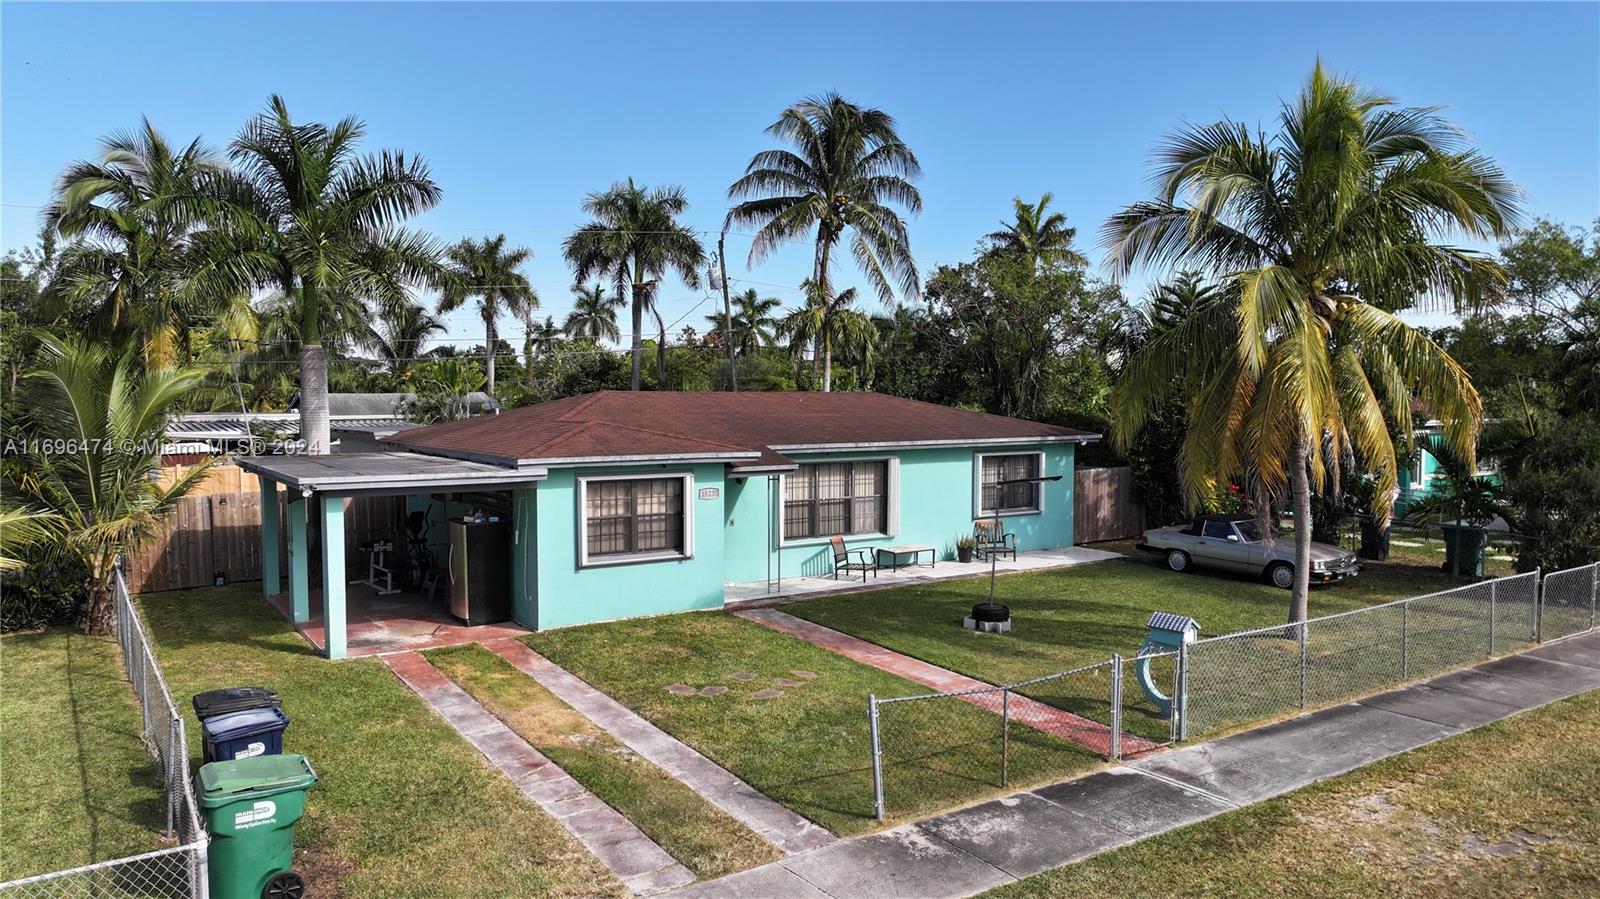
627 504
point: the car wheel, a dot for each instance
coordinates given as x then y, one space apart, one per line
1281 574
1178 560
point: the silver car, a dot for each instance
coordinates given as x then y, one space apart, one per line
1236 543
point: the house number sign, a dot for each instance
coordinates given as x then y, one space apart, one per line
710 492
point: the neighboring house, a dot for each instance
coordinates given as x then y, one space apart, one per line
627 504
1421 475
357 422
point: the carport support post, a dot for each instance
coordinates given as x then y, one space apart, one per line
269 537
299 562
333 576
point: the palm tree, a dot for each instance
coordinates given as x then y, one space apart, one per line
133 213
540 340
823 325
753 322
1171 302
634 240
1044 238
106 502
307 216
1319 234
593 316
487 270
848 165
399 335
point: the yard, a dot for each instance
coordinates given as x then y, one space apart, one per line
1508 810
807 747
405 807
79 785
1067 617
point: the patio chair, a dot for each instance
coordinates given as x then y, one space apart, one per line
863 559
992 537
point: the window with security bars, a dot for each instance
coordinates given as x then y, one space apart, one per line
1001 497
829 498
624 517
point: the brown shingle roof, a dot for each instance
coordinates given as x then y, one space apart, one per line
744 429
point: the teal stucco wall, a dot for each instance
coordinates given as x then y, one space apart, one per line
566 594
935 507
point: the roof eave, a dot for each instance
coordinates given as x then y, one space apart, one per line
963 441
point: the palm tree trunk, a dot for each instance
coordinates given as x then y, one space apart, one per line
314 399
492 338
97 614
638 326
1300 488
827 365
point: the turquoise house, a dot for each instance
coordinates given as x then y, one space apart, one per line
627 504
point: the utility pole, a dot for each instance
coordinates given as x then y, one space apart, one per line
727 309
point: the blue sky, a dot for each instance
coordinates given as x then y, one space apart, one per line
523 108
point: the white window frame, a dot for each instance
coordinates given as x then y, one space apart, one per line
978 511
690 497
892 502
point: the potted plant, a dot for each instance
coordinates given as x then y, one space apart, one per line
965 545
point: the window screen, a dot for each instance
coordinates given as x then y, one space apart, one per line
830 498
998 497
634 516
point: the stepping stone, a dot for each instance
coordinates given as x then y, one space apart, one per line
743 676
713 691
788 682
808 675
681 690
766 694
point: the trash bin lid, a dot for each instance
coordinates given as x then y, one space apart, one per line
234 725
233 699
262 775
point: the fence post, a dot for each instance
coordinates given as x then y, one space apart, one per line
877 758
1116 707
1305 630
1005 734
1538 605
1180 701
1594 592
169 771
1493 595
1405 634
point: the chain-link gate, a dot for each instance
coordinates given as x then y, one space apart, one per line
1568 602
175 873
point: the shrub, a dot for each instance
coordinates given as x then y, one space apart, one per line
51 590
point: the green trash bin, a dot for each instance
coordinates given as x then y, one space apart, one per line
251 806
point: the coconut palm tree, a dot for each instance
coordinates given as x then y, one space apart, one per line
307 216
754 324
21 528
399 335
1042 237
487 270
112 410
634 239
593 316
1318 233
847 170
823 325
132 215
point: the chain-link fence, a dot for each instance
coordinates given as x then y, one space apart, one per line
175 873
948 745
1569 600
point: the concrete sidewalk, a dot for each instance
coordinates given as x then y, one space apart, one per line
970 850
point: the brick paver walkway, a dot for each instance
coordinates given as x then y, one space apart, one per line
1050 720
778 825
641 865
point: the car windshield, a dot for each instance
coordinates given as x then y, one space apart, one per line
1249 530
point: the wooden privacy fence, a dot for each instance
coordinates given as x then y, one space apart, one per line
215 532
1103 505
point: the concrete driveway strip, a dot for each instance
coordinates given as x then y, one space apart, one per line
776 824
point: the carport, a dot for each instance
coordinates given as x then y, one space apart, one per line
319 485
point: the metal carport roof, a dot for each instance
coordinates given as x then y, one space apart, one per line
393 472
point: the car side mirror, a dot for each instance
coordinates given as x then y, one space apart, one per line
1233 538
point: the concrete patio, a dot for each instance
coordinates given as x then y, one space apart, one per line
756 593
398 622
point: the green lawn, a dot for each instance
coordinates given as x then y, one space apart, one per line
1067 617
809 747
704 838
1508 810
405 806
79 785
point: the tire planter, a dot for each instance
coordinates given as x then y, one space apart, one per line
991 611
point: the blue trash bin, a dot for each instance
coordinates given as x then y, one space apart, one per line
243 735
